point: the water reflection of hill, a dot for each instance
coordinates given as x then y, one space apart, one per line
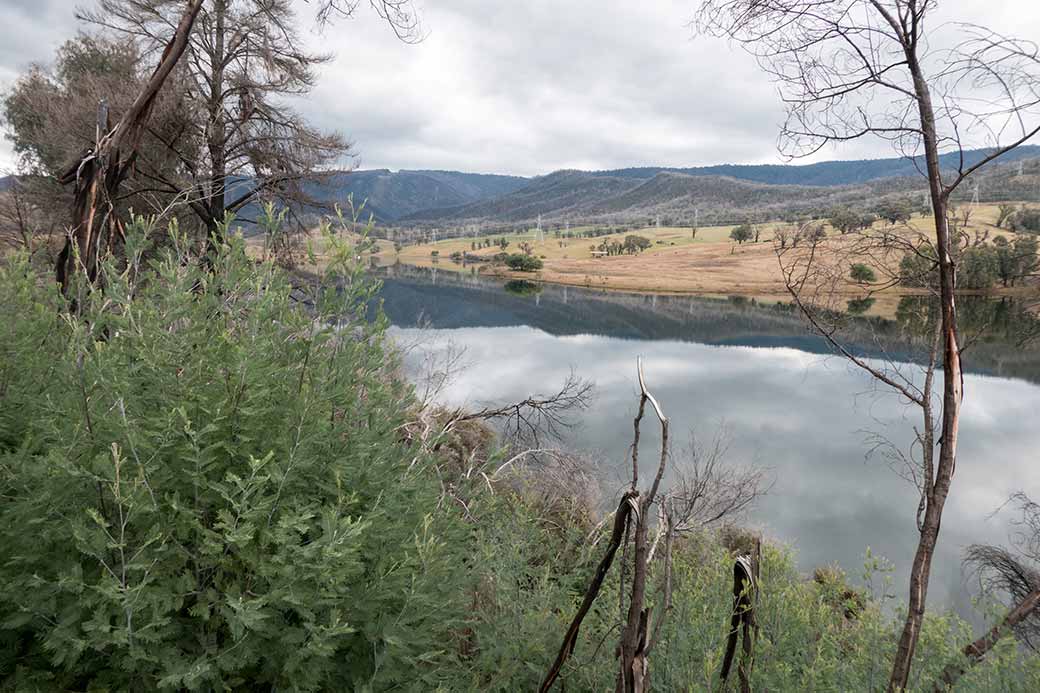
449 300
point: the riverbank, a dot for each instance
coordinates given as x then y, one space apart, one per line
704 261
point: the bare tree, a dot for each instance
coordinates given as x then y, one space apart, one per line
50 115
242 142
20 219
100 172
706 492
401 15
528 420
849 69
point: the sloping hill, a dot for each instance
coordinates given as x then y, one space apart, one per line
680 197
676 197
563 194
392 195
826 173
673 194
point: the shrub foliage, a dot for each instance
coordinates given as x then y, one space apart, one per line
204 486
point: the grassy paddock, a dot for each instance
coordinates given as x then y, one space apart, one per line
677 261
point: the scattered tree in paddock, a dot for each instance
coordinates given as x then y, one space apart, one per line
636 244
523 262
1006 210
845 220
742 233
898 211
862 274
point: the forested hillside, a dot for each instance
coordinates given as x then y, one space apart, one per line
679 197
827 172
392 195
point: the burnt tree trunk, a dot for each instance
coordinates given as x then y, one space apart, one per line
216 128
95 227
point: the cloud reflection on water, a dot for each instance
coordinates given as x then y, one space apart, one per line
804 416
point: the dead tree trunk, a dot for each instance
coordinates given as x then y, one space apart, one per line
742 622
621 519
95 227
636 636
976 651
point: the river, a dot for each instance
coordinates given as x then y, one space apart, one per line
756 375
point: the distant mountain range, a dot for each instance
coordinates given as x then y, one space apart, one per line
707 194
826 173
711 194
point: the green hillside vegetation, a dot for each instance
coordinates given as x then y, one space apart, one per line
215 477
390 195
683 197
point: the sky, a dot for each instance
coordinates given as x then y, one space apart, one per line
525 88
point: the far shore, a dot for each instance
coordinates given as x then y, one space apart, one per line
681 261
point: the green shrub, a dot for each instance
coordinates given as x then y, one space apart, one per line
523 263
826 635
859 306
862 274
204 487
979 268
919 268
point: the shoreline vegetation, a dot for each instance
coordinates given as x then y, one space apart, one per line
214 474
679 260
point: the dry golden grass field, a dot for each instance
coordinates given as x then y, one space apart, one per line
677 262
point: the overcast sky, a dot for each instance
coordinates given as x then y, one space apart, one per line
531 86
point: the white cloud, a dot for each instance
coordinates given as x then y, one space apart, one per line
529 87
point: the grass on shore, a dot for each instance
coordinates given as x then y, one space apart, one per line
679 260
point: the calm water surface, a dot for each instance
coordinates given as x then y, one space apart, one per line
756 374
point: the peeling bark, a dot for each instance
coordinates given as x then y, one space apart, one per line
95 227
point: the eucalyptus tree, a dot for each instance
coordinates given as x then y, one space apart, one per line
244 61
851 69
50 117
240 54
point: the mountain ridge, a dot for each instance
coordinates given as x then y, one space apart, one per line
720 193
702 195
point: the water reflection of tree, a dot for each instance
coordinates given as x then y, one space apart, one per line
1005 320
522 287
859 306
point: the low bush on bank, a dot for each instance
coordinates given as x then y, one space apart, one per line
523 263
204 487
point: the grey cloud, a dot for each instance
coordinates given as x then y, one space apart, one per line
528 87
